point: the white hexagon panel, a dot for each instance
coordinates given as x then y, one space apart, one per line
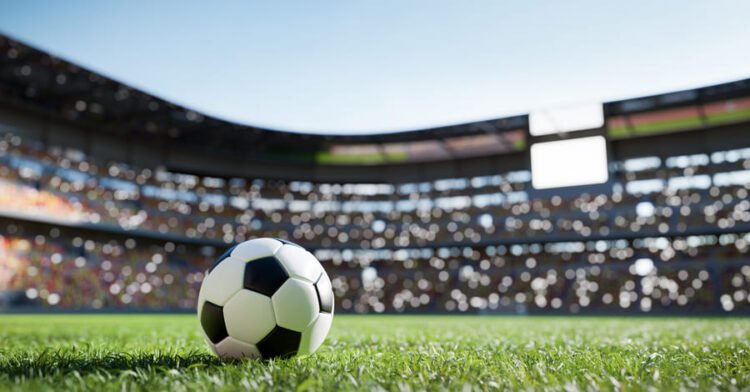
299 263
249 316
232 348
256 249
315 333
222 282
295 304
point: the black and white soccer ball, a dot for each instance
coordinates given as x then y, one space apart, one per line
265 298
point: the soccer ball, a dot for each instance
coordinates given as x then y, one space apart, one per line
265 298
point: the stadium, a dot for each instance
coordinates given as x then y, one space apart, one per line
129 213
116 202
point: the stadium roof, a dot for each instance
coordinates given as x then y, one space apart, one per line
49 87
33 78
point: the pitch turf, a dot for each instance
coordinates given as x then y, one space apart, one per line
166 352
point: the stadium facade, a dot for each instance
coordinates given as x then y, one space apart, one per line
111 198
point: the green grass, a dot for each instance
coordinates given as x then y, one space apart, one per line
166 352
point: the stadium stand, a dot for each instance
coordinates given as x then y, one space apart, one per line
113 199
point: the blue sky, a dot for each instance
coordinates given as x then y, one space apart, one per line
374 66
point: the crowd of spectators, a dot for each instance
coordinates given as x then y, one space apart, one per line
695 273
486 243
78 273
649 195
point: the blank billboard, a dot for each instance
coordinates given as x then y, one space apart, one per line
572 162
567 119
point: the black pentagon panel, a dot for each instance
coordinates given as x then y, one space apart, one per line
222 258
325 294
212 321
287 242
264 275
280 343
